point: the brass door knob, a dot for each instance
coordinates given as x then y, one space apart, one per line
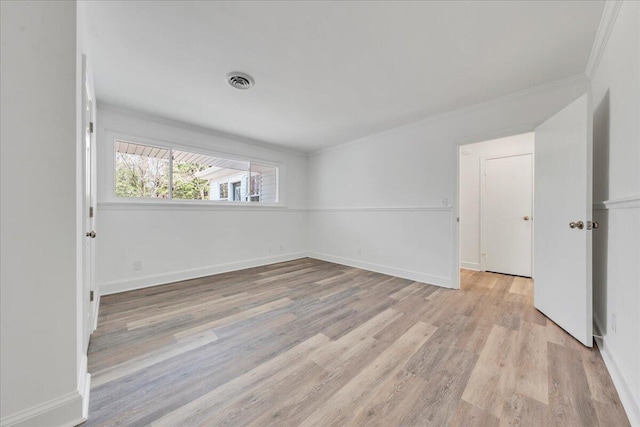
572 225
580 225
595 225
91 234
526 218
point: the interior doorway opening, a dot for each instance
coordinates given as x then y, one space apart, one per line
496 187
562 225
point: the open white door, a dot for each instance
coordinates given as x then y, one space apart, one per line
562 212
90 297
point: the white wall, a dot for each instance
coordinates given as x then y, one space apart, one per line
471 156
176 241
43 379
616 141
378 202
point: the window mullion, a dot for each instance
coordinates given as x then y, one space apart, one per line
170 173
249 186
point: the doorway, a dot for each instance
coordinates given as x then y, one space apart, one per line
563 216
496 205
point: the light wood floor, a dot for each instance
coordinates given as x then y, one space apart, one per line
313 343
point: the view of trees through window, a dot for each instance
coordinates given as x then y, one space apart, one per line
144 171
186 185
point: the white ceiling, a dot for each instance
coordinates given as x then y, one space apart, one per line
329 72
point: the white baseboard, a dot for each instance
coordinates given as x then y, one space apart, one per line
85 399
470 265
384 269
84 386
65 411
161 279
630 399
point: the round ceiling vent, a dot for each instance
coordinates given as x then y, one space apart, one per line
240 80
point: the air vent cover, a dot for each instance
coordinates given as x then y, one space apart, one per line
239 80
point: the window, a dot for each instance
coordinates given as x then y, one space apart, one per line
142 171
256 187
187 185
224 191
264 183
145 171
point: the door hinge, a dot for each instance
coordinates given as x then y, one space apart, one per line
90 127
91 296
91 212
458 219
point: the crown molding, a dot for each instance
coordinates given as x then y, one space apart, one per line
546 87
166 121
608 20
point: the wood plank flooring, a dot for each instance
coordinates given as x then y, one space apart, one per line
312 343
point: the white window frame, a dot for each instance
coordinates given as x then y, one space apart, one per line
108 175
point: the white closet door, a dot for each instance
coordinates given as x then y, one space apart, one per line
507 214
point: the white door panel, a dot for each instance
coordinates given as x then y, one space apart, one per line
89 294
506 217
563 186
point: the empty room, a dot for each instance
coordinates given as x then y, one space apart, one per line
320 213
